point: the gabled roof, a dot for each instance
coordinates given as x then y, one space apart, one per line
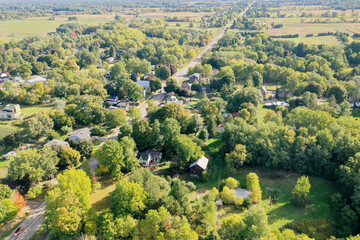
150 153
56 142
36 79
202 162
83 133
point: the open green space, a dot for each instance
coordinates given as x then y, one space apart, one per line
29 110
281 183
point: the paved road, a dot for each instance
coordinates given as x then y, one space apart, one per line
181 74
31 224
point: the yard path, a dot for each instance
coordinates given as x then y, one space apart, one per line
181 74
31 224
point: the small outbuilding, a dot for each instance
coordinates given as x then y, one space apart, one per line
243 193
219 203
199 166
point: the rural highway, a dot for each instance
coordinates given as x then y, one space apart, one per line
31 224
181 74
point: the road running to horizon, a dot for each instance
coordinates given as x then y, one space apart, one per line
35 220
181 74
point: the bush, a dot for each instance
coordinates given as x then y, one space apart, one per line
248 202
66 129
239 202
34 192
231 183
98 131
52 134
5 191
205 176
191 186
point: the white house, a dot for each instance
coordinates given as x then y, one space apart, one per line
149 157
56 142
36 80
11 111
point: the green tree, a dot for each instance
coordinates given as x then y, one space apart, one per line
236 158
301 192
231 183
203 135
38 124
163 72
255 223
130 153
212 127
111 158
171 86
8 210
253 185
69 157
155 84
128 198
115 118
84 147
228 195
125 131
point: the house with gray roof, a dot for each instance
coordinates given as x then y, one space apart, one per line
149 157
199 166
56 142
81 134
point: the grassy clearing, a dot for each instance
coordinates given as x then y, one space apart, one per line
7 129
282 213
29 110
100 200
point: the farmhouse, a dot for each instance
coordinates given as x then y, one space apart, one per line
112 99
81 134
199 166
56 142
11 111
274 104
149 157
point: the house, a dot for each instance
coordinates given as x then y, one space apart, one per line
199 166
11 111
263 91
112 99
355 103
112 108
123 105
81 134
173 99
195 77
36 80
110 59
149 157
284 94
56 142
4 77
186 85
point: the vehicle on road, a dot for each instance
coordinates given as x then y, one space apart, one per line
18 231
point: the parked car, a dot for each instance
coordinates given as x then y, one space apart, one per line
18 231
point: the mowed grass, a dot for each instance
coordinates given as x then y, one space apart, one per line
17 29
29 110
100 200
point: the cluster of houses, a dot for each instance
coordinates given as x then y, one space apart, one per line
4 77
11 112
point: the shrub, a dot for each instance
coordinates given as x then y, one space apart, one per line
239 202
34 192
191 186
205 176
301 192
98 131
318 229
5 191
228 195
248 202
231 183
52 134
66 129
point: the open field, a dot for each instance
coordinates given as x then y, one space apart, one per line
315 10
17 29
283 212
29 110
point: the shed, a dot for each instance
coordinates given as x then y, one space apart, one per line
199 166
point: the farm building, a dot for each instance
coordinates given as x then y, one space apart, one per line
199 166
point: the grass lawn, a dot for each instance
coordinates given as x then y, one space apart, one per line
7 129
100 200
29 110
283 212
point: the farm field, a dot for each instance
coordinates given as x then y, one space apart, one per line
17 29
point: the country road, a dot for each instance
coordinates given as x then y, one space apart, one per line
181 74
31 224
